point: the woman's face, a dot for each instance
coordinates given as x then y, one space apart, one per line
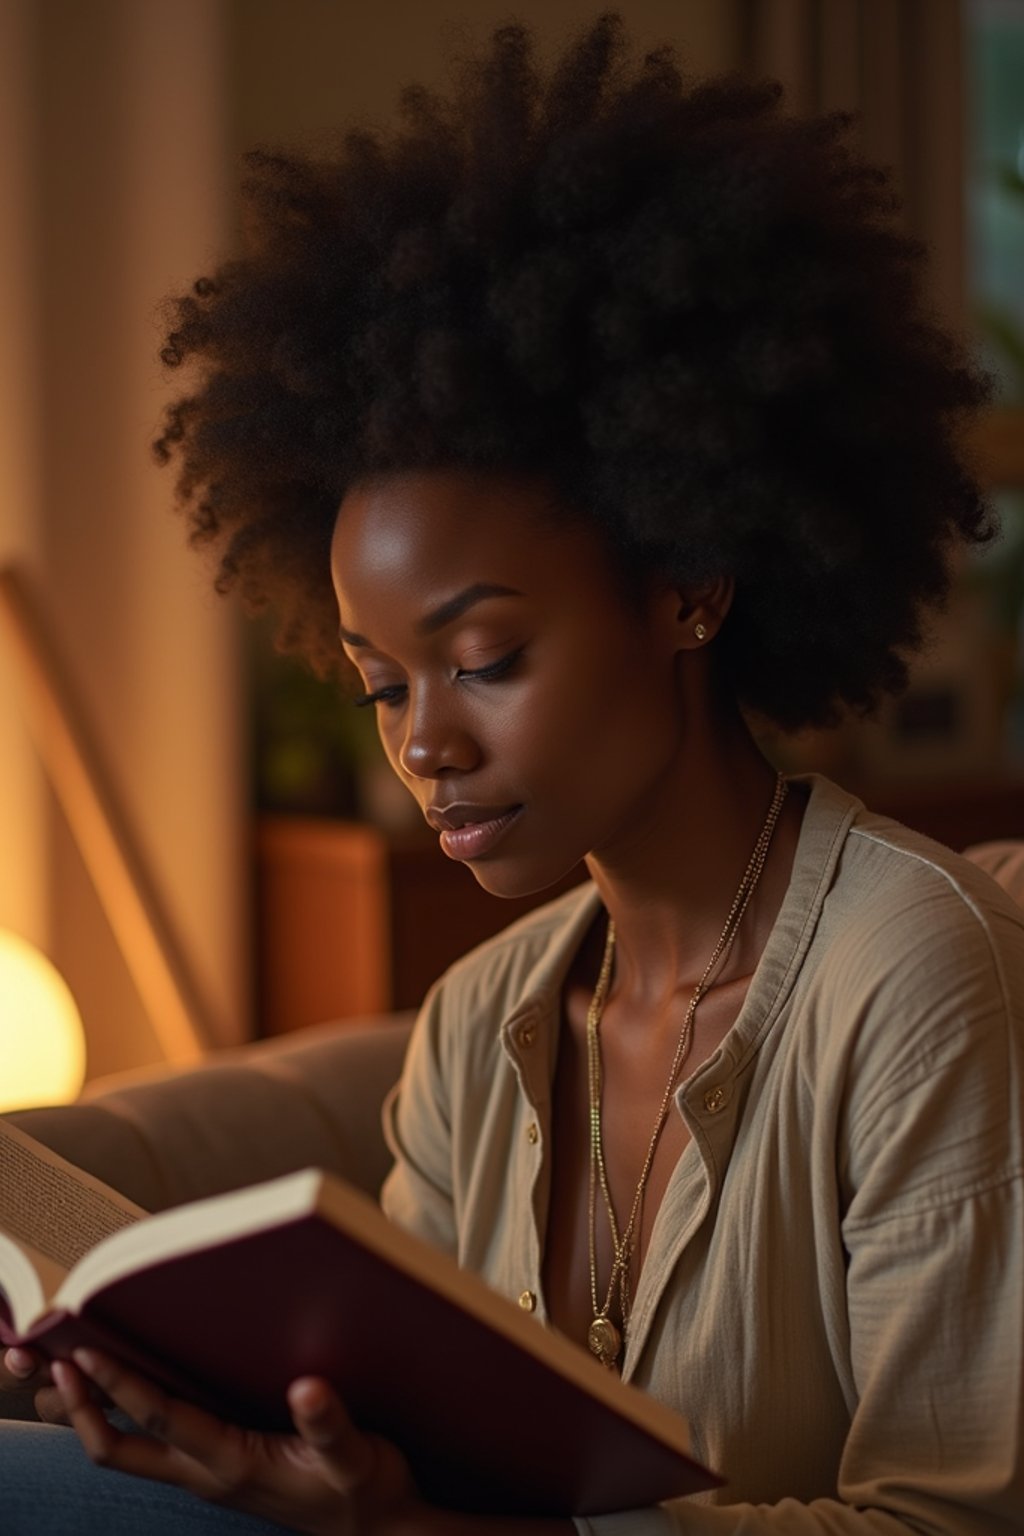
528 708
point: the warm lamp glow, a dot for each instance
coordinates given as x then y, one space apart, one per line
42 1043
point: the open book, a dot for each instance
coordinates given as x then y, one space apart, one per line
226 1300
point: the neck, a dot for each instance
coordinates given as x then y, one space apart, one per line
670 884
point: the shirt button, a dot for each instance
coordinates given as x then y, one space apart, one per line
527 1301
714 1099
532 1133
527 1034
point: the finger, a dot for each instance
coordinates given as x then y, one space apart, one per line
197 1451
20 1363
358 1465
326 1429
322 1421
50 1406
179 1444
158 1415
315 1404
99 1438
145 1403
349 1458
71 1385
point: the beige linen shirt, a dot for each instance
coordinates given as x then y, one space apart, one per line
833 1293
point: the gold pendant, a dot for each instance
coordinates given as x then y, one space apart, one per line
604 1340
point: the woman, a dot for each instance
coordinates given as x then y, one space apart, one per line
640 435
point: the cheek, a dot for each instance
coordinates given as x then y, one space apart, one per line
596 727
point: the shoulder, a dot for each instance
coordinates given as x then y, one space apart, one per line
902 897
862 874
912 1002
873 903
913 969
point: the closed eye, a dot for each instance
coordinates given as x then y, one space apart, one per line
393 693
389 695
493 669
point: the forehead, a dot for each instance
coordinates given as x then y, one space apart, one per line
428 531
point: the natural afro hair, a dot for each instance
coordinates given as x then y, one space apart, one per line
692 315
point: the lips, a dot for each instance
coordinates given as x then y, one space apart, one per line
471 831
450 818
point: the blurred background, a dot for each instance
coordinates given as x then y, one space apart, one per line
284 867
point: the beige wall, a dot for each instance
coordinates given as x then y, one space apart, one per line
301 67
117 183
23 903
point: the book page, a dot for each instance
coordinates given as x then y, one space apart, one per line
28 1280
51 1206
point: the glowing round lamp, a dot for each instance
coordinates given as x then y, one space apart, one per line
42 1043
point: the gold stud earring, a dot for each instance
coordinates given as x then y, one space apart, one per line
700 631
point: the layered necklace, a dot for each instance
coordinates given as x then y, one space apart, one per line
604 1337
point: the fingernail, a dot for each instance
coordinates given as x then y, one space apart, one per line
308 1398
87 1360
59 1371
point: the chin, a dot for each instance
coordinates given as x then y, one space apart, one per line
514 880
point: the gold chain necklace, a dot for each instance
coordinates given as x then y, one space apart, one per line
604 1338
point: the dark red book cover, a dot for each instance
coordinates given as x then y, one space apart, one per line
486 1424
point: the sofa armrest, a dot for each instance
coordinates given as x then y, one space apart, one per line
165 1136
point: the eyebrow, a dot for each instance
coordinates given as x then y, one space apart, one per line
445 613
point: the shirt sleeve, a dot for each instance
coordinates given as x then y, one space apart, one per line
418 1193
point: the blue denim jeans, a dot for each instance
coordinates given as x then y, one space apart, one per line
49 1487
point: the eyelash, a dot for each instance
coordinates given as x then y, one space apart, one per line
393 693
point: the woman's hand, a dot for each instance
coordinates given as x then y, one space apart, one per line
326 1478
26 1373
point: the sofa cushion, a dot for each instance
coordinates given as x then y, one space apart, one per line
163 1136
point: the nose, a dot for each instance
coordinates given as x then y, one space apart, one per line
436 741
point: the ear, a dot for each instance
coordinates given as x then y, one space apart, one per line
698 613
